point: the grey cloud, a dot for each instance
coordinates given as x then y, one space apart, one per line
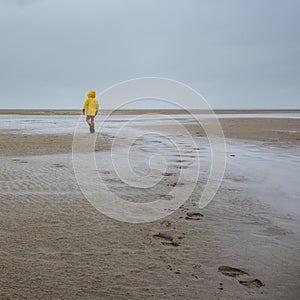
238 54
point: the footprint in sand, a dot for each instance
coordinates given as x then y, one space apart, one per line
105 172
193 215
166 197
166 223
164 235
173 184
255 283
168 239
174 244
179 161
232 272
58 166
167 174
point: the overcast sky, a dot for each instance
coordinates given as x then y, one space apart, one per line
237 54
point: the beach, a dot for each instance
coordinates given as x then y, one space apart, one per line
243 245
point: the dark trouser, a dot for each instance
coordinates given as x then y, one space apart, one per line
91 122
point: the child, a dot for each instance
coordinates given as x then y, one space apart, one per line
90 109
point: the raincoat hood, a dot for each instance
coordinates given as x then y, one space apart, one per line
91 94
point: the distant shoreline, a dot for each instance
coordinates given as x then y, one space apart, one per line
143 111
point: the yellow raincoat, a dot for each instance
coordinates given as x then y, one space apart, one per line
91 104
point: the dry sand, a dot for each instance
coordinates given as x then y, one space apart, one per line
55 245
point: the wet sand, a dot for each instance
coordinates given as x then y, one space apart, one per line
13 144
55 245
141 111
259 129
